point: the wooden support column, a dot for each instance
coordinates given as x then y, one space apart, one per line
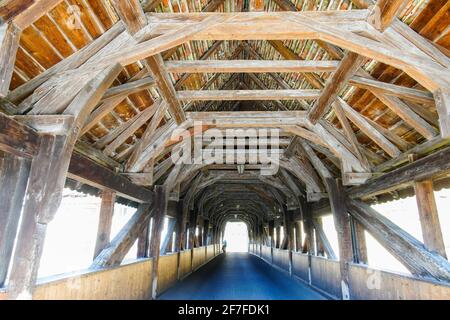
420 261
342 224
271 237
43 196
13 181
192 227
160 211
278 236
143 243
308 228
206 232
442 99
47 178
298 236
200 232
180 235
359 242
429 217
105 221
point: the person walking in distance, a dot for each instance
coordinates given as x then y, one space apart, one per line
224 246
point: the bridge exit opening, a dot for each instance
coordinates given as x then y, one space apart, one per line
236 236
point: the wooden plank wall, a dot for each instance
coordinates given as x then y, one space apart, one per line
370 284
300 265
127 282
185 263
281 258
209 252
167 271
266 255
198 258
325 275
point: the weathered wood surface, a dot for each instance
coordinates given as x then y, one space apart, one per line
114 253
9 43
167 272
372 284
342 225
126 282
17 138
419 260
424 168
159 212
231 95
347 67
105 221
13 180
429 217
84 170
326 275
249 66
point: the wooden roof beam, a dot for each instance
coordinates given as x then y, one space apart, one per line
130 11
414 95
24 13
335 84
249 66
208 53
188 95
384 12
128 88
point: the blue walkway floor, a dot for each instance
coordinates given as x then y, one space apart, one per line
235 276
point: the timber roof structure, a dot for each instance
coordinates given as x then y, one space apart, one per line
100 95
353 89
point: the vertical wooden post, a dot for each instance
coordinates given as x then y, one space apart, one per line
47 178
320 248
271 236
360 247
105 221
143 242
44 187
342 224
13 181
308 243
180 229
205 232
429 217
278 233
179 233
298 236
160 211
200 233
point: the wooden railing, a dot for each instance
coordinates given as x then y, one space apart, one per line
365 283
130 281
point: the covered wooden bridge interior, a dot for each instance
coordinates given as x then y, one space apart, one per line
92 92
